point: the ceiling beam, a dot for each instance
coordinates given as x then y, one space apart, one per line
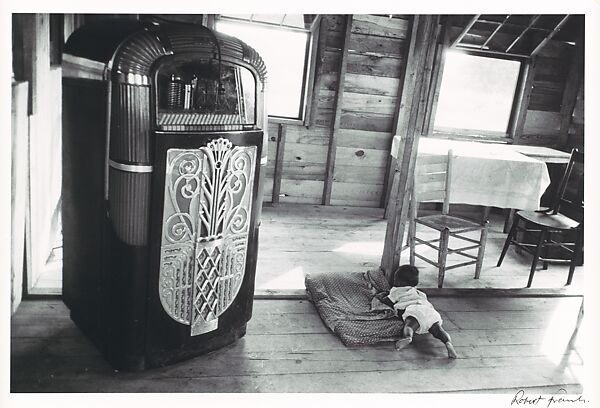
513 24
558 27
531 23
465 30
500 25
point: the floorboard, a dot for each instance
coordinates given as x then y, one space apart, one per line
504 344
296 240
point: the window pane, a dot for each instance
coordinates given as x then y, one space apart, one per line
284 53
476 92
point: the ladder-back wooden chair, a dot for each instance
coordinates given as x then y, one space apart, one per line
432 182
559 227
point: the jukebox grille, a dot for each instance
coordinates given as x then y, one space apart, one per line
207 201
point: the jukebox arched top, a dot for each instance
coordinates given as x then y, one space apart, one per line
201 80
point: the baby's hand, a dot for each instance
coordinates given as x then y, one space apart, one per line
381 295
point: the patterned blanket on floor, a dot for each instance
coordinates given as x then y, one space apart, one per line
345 303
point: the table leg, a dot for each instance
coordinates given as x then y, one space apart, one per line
508 219
485 214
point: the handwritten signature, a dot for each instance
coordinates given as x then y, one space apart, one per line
521 399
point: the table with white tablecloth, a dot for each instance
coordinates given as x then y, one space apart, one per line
487 174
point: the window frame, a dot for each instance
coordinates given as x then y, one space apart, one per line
475 134
308 77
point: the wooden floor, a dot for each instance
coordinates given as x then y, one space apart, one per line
504 344
300 239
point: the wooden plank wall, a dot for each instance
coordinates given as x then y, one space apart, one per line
368 108
552 98
374 65
375 61
19 188
32 64
576 135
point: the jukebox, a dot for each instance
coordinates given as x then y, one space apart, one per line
162 189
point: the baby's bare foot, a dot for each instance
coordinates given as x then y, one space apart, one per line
403 342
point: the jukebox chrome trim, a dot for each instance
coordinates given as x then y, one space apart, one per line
131 168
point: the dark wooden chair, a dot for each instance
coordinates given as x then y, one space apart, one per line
432 183
554 229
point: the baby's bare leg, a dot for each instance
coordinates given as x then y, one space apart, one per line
410 326
439 333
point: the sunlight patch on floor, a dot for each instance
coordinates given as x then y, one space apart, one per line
561 333
292 279
361 248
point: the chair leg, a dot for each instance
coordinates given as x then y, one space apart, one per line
509 237
442 253
412 228
546 252
576 253
536 256
481 251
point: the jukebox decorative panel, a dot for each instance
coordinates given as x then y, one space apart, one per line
177 123
206 217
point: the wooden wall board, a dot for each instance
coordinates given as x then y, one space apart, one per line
368 84
328 81
377 104
315 135
375 65
546 96
541 122
371 45
304 153
552 69
300 191
359 192
356 202
331 61
323 117
365 139
325 99
380 26
304 171
359 157
334 22
366 121
353 174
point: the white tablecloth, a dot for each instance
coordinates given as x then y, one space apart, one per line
489 174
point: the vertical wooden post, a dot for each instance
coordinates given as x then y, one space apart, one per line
428 80
523 97
281 130
571 88
330 166
436 80
318 66
424 30
402 113
311 87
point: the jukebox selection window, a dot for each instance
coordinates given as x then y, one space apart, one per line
206 94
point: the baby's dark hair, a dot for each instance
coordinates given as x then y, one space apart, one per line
406 275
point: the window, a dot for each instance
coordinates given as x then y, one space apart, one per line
286 55
476 94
